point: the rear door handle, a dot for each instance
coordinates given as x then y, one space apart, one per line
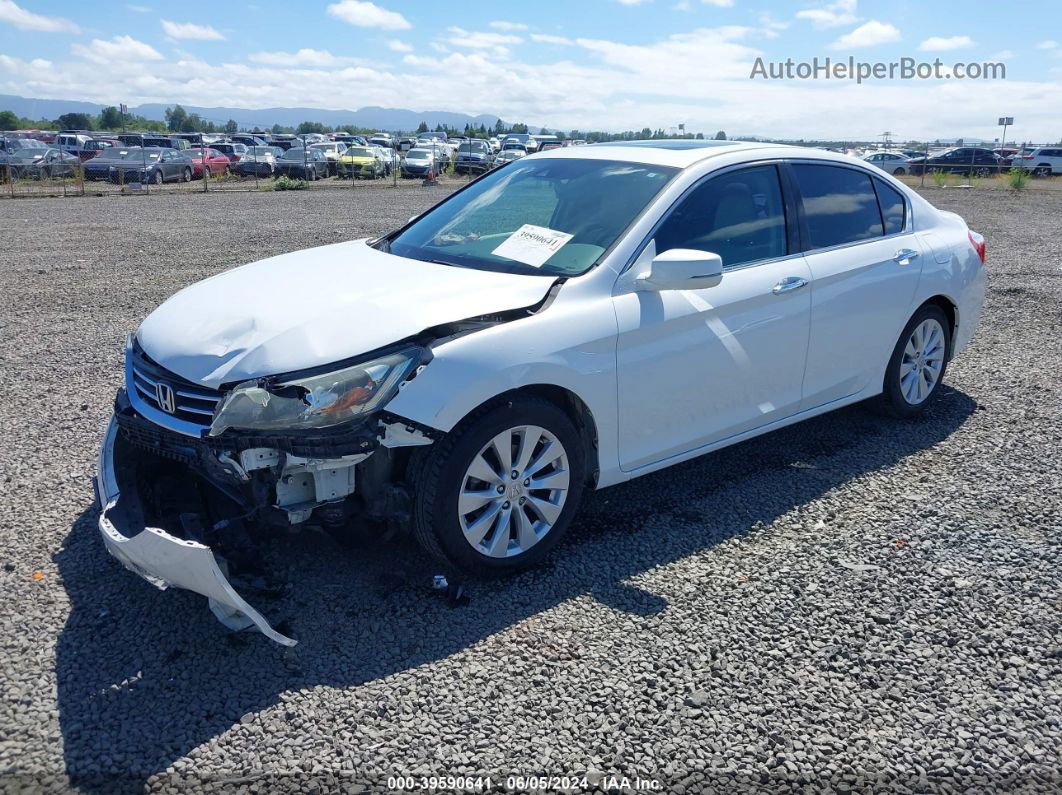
788 284
905 255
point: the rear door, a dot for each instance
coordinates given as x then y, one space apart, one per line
865 264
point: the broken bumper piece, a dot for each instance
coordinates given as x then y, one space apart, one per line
163 559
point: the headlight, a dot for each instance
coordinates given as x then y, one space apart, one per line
319 401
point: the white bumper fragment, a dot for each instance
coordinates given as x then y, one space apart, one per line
164 560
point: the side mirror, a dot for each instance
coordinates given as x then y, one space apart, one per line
682 269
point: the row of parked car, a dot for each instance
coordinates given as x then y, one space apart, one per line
1040 160
143 157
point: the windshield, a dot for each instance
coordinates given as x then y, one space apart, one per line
357 151
576 209
418 154
296 153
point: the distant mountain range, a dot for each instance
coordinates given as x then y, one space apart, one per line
377 118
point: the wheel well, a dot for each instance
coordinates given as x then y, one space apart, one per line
571 404
948 308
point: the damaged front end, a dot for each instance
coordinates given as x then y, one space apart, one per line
189 479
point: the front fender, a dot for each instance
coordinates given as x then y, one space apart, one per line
572 346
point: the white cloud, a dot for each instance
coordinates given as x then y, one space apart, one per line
1002 55
25 20
546 38
1049 44
719 3
631 2
399 46
682 5
139 9
368 15
769 26
834 15
868 34
303 57
945 43
496 43
120 48
501 24
190 30
700 77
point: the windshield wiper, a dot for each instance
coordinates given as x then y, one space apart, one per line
442 262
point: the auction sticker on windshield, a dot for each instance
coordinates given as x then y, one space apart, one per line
532 245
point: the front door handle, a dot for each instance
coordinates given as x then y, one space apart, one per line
905 255
788 284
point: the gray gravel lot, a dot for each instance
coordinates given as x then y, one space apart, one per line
853 603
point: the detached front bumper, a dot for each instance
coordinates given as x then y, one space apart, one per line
163 559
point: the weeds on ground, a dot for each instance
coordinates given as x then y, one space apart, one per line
940 178
287 183
1018 178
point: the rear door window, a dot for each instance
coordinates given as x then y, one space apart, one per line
840 205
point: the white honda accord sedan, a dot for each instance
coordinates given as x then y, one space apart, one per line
569 321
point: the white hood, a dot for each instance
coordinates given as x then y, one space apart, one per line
316 307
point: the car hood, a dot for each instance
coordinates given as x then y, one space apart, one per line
318 306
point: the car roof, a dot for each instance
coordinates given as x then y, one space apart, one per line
680 153
684 153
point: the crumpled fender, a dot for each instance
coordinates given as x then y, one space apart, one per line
164 560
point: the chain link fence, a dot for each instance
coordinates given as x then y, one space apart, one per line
203 164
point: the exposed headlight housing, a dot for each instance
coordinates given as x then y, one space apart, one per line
318 401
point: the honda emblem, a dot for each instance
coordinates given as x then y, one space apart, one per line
165 398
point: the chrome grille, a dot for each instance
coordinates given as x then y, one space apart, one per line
191 402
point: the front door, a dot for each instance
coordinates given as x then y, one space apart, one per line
698 366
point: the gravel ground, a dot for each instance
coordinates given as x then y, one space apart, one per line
853 603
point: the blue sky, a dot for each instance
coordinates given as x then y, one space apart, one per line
592 64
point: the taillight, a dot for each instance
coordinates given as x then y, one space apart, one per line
1026 157
978 242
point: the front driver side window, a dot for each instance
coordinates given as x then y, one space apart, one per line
739 215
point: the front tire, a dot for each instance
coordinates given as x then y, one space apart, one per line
919 361
186 175
473 513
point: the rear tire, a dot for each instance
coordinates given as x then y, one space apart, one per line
918 364
186 175
898 172
512 525
158 178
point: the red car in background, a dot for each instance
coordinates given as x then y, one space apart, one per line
214 161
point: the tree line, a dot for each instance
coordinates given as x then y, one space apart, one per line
177 119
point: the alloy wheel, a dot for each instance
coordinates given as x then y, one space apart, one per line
513 492
922 362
